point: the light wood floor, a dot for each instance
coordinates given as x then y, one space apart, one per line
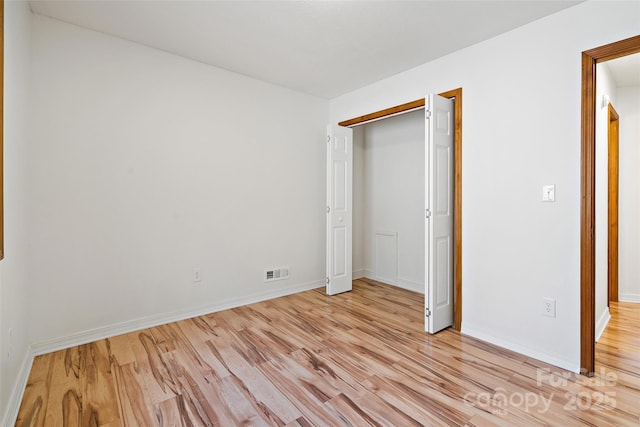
618 351
359 358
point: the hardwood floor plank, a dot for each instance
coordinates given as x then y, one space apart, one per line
300 422
71 411
265 397
484 420
335 374
351 413
241 409
381 411
158 381
170 337
64 407
172 413
133 400
304 389
230 350
358 358
36 394
99 398
415 409
120 348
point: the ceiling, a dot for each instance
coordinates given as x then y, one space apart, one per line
323 48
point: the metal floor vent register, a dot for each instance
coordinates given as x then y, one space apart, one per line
276 274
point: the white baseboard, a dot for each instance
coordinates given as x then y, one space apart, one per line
555 361
602 323
368 274
399 282
410 285
161 319
358 274
11 413
629 297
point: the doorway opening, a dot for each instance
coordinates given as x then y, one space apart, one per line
456 96
588 182
388 200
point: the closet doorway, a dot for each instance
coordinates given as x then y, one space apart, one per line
389 199
384 204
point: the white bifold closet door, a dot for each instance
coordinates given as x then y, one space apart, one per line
439 242
339 209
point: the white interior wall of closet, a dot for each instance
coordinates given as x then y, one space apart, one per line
388 200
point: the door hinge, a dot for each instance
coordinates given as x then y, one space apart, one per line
427 213
328 280
427 312
328 138
328 209
427 114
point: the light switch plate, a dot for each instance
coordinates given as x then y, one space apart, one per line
549 193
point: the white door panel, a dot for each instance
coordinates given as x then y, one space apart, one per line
339 209
439 178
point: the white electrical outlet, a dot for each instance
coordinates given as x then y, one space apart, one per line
549 307
549 193
197 275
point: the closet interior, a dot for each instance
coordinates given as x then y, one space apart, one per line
389 200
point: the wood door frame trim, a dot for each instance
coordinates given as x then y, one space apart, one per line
587 191
456 95
387 112
613 177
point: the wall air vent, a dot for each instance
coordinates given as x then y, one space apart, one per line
279 273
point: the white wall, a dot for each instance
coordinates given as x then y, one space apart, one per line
605 85
359 210
145 165
628 107
521 129
392 170
14 280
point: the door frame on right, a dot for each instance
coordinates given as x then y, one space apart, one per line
587 192
456 95
613 182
